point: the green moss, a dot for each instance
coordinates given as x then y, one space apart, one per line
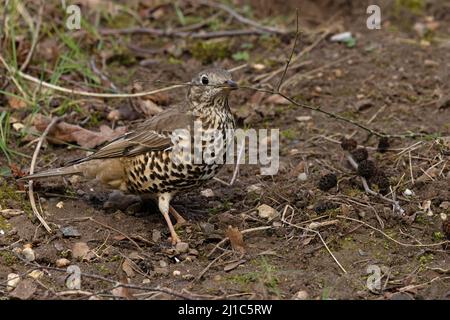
210 51
413 6
8 195
438 236
289 134
8 258
104 270
424 260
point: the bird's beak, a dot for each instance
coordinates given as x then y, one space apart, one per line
231 85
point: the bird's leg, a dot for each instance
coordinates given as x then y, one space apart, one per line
177 216
164 205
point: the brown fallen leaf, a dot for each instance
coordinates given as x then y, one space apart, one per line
80 250
16 103
236 239
128 269
233 265
66 132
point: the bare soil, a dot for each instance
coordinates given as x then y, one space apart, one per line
392 80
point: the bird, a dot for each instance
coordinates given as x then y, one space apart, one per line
159 156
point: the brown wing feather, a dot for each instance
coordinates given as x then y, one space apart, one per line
152 134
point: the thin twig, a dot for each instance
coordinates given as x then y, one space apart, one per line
297 33
30 183
321 239
35 38
238 161
390 238
180 34
241 18
224 240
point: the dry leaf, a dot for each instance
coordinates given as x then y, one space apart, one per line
66 132
233 265
128 269
236 239
16 103
80 250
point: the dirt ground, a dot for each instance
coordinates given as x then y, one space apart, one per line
394 80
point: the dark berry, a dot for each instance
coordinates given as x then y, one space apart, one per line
327 182
348 144
360 154
366 169
383 144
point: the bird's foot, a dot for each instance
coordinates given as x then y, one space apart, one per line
180 220
174 238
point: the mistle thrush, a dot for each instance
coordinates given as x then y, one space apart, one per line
158 156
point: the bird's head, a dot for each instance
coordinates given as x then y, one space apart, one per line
210 85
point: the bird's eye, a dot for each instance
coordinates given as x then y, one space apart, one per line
204 79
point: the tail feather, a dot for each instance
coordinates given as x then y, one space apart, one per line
74 169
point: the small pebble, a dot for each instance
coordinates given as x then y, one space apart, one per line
176 273
29 254
182 247
408 193
36 274
267 212
207 193
63 262
301 295
207 227
302 177
70 231
13 281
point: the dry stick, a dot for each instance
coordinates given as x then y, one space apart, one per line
118 231
266 77
180 34
241 18
224 240
390 238
321 239
11 76
330 114
238 161
117 284
288 61
94 94
30 183
202 273
35 39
